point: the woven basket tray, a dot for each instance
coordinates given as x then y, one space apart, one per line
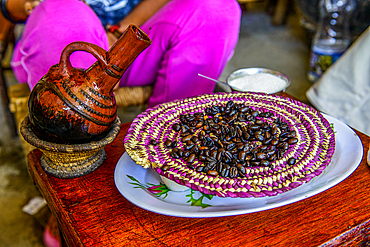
146 145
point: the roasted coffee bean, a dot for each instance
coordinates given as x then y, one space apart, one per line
199 168
284 134
214 154
195 150
225 171
246 147
174 154
242 155
192 123
191 167
180 152
228 155
264 147
265 163
219 156
255 163
191 158
202 158
292 141
261 156
209 140
241 168
242 175
168 143
280 154
210 166
283 139
291 161
219 167
165 168
188 143
232 132
254 127
184 128
233 112
267 140
194 139
283 125
230 146
176 127
189 146
259 137
267 135
233 173
211 159
246 135
186 138
254 113
285 146
258 122
186 153
199 124
292 134
244 109
240 146
216 131
153 142
273 157
266 126
270 152
212 173
274 142
230 104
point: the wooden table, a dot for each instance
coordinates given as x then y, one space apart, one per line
91 212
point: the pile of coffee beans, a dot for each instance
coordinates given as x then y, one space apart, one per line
228 139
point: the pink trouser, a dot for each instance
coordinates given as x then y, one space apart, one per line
51 27
188 37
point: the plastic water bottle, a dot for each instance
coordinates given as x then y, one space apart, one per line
333 36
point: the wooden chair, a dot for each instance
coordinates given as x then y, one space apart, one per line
6 38
132 96
278 9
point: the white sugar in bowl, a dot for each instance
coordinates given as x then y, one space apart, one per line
258 80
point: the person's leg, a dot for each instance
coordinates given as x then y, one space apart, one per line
189 37
48 30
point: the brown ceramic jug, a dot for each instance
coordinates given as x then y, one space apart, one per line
72 105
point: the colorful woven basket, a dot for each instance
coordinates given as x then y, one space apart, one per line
69 160
158 139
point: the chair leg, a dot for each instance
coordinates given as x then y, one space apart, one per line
280 12
18 105
132 96
6 37
5 99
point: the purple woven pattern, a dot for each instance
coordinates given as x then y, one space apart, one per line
152 138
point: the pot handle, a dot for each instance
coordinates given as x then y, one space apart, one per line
65 67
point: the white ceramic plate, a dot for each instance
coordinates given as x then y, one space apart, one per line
347 157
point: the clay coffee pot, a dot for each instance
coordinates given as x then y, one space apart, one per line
72 105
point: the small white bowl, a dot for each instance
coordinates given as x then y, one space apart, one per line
258 80
173 185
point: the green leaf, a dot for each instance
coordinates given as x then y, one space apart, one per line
199 202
